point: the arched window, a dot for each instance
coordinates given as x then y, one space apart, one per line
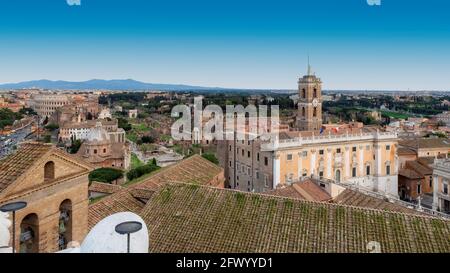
315 93
315 112
29 234
49 170
65 224
303 112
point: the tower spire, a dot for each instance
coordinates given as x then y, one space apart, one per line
309 67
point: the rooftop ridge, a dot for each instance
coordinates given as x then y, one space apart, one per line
426 216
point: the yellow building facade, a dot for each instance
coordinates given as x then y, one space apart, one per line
367 159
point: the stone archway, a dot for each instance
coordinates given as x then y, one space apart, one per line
65 224
29 234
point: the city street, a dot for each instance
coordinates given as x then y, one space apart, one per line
7 143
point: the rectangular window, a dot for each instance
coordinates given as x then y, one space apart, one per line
266 161
257 175
266 181
354 149
320 152
419 189
289 157
367 170
321 174
248 154
354 172
305 153
388 147
431 182
230 163
243 152
230 147
338 150
388 170
445 189
257 156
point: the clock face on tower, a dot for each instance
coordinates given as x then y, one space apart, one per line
315 103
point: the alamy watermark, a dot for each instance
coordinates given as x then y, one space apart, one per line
73 2
374 2
238 122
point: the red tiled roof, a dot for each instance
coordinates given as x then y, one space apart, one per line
409 173
104 187
184 218
358 199
419 168
306 190
121 201
195 170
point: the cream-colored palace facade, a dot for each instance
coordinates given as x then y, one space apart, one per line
363 156
366 159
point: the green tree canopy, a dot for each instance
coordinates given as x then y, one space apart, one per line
105 175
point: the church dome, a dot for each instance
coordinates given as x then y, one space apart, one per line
98 134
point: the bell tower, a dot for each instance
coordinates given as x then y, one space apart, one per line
309 117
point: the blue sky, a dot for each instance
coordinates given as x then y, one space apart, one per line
400 45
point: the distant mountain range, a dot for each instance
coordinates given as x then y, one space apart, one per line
104 84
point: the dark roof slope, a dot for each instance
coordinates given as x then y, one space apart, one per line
192 218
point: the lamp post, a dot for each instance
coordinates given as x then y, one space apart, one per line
13 207
128 228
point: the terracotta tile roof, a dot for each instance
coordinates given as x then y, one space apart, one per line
424 143
195 170
409 173
357 199
104 187
429 160
16 164
306 190
190 218
118 202
419 168
143 194
405 151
